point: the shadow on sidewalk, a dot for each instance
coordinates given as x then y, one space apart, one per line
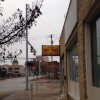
25 95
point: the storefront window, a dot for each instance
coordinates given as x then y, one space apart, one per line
95 39
74 75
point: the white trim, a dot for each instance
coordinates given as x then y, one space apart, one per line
88 61
93 92
75 90
71 20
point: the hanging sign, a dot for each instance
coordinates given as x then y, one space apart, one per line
34 68
34 71
48 50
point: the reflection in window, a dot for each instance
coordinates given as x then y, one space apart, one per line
16 72
95 39
10 68
99 61
74 75
16 68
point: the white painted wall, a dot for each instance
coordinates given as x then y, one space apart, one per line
71 19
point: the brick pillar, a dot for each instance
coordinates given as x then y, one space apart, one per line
82 63
65 73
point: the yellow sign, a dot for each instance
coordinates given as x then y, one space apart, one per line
51 50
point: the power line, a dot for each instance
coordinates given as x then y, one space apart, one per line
40 37
48 25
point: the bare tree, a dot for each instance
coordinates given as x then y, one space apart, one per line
44 63
1 8
35 63
13 29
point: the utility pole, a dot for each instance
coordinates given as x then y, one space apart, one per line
52 58
26 51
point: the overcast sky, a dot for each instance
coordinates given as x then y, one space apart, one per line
50 22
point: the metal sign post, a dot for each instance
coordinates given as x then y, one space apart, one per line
31 92
39 68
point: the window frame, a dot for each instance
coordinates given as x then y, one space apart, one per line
94 54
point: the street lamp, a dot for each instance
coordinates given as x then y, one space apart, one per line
26 51
34 14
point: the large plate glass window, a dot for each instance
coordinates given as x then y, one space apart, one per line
74 75
95 39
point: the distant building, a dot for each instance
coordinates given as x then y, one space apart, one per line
14 70
53 69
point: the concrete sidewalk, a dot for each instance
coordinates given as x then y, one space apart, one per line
25 95
18 95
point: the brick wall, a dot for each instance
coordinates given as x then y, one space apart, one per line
83 9
62 46
78 34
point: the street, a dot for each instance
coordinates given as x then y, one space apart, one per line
13 84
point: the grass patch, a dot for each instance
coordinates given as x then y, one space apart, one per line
3 95
45 80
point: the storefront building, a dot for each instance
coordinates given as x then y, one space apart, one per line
82 50
14 70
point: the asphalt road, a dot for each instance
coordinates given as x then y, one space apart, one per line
13 84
